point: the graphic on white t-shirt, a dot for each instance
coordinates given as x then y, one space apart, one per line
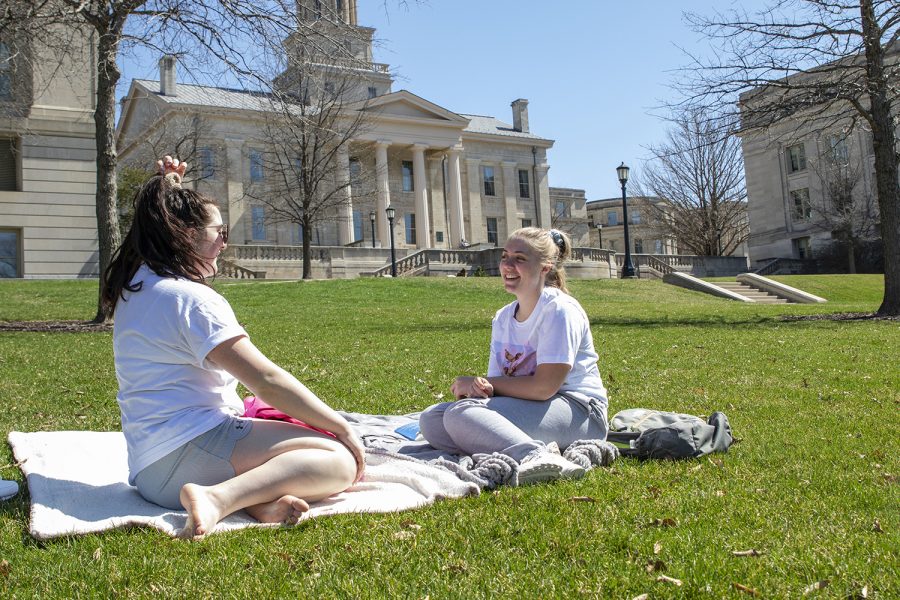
517 360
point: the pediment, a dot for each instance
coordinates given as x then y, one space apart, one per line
406 105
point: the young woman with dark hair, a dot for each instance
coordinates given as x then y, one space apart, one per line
543 390
179 354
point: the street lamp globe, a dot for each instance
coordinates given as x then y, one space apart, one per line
622 171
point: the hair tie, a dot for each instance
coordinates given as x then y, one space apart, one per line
558 240
173 179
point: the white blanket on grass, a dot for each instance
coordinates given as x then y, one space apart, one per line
78 482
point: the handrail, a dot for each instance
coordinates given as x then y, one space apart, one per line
229 270
407 264
769 268
659 267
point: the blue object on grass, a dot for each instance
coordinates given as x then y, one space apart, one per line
410 431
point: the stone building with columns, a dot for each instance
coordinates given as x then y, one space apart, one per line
453 179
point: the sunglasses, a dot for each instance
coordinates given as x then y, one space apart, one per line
221 230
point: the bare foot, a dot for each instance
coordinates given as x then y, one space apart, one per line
202 508
286 509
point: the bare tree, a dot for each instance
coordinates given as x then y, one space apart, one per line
320 107
824 63
221 36
843 207
699 174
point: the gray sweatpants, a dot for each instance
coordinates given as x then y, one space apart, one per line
512 426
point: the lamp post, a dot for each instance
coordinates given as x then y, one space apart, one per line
599 227
372 220
628 269
390 215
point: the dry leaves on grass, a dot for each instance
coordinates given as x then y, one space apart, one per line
657 547
655 566
582 499
4 567
672 580
667 522
745 589
814 587
751 552
876 526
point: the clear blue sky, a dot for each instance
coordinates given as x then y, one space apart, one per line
593 71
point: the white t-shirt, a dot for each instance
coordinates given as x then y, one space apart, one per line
558 331
168 392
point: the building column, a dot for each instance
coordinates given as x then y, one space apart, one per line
510 198
382 193
423 229
457 234
437 206
542 195
234 188
345 207
477 226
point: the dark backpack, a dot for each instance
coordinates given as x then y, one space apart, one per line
659 434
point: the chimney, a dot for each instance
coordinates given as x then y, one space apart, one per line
167 86
520 115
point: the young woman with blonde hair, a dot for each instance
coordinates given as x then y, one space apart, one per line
543 390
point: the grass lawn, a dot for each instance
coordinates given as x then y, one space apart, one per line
812 485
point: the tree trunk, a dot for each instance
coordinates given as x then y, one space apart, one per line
851 255
886 175
307 258
108 235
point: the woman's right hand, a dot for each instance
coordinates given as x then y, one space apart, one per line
471 387
353 443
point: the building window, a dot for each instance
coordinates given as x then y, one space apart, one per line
339 9
837 147
488 175
318 8
207 162
355 171
410 219
256 166
373 91
524 186
658 246
492 230
9 181
5 77
329 88
9 253
638 246
635 217
297 234
796 158
407 175
612 218
258 223
612 245
801 248
357 225
439 236
526 222
800 207
563 209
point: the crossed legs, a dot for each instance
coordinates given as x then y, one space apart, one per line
279 467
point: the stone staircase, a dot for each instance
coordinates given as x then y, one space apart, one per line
758 296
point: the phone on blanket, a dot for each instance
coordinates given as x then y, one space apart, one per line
410 431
